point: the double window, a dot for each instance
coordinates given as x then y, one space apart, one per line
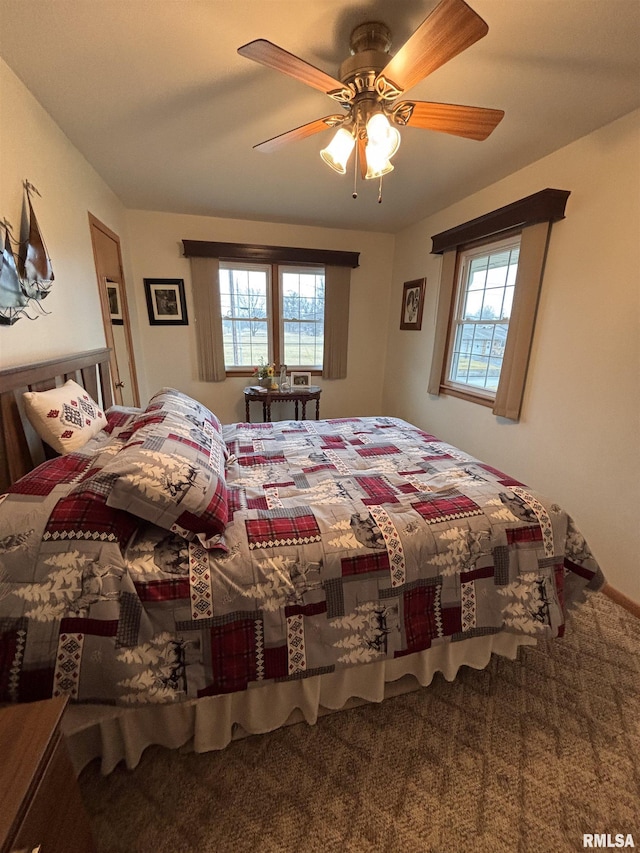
282 304
272 313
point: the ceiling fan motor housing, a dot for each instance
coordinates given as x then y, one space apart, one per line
372 35
369 43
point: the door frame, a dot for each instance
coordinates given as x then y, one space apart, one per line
102 278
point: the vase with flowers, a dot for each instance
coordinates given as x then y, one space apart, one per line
265 374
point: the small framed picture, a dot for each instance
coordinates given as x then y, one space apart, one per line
300 380
115 303
165 301
412 304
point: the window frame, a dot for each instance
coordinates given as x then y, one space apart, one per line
533 216
251 266
275 320
204 258
478 248
299 269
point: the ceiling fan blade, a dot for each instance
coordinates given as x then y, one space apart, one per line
470 122
269 54
301 132
451 28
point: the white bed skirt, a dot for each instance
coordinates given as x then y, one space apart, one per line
122 734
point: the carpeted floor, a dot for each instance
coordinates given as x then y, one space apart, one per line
522 757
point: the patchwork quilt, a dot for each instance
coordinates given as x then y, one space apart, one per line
308 546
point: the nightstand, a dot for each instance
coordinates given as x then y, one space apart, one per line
296 395
40 804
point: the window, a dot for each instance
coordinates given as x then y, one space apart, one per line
245 294
257 322
482 309
302 312
272 313
488 300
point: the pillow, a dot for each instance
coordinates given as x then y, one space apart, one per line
120 419
173 402
171 472
65 417
84 514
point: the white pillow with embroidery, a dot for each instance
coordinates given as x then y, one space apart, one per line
65 417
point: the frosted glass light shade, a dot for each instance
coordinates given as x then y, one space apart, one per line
377 164
338 151
382 135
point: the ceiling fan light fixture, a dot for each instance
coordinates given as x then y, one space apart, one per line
377 164
382 135
371 81
338 151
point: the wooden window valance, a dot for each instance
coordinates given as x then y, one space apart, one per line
269 254
544 206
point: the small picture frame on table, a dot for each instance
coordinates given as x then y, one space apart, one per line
165 301
300 380
412 304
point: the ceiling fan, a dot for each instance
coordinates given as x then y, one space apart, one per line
371 82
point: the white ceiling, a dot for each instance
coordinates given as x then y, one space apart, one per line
155 96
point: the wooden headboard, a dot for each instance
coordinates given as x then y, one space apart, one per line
20 448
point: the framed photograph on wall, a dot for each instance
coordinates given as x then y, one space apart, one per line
165 301
300 380
412 304
115 303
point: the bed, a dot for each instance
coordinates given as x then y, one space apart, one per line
185 581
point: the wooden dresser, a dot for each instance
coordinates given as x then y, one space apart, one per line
40 804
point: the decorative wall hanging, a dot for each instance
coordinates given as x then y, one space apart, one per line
412 304
165 301
26 277
12 298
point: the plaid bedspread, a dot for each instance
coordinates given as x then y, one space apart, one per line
349 541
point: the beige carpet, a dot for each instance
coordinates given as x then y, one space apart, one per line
526 755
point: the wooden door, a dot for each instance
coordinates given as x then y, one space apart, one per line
115 312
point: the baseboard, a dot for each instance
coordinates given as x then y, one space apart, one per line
621 599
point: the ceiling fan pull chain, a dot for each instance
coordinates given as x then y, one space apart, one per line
380 191
355 175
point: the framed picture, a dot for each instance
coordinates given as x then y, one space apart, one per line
412 304
115 303
300 380
165 301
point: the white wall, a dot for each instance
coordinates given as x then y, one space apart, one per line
169 352
578 439
33 147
